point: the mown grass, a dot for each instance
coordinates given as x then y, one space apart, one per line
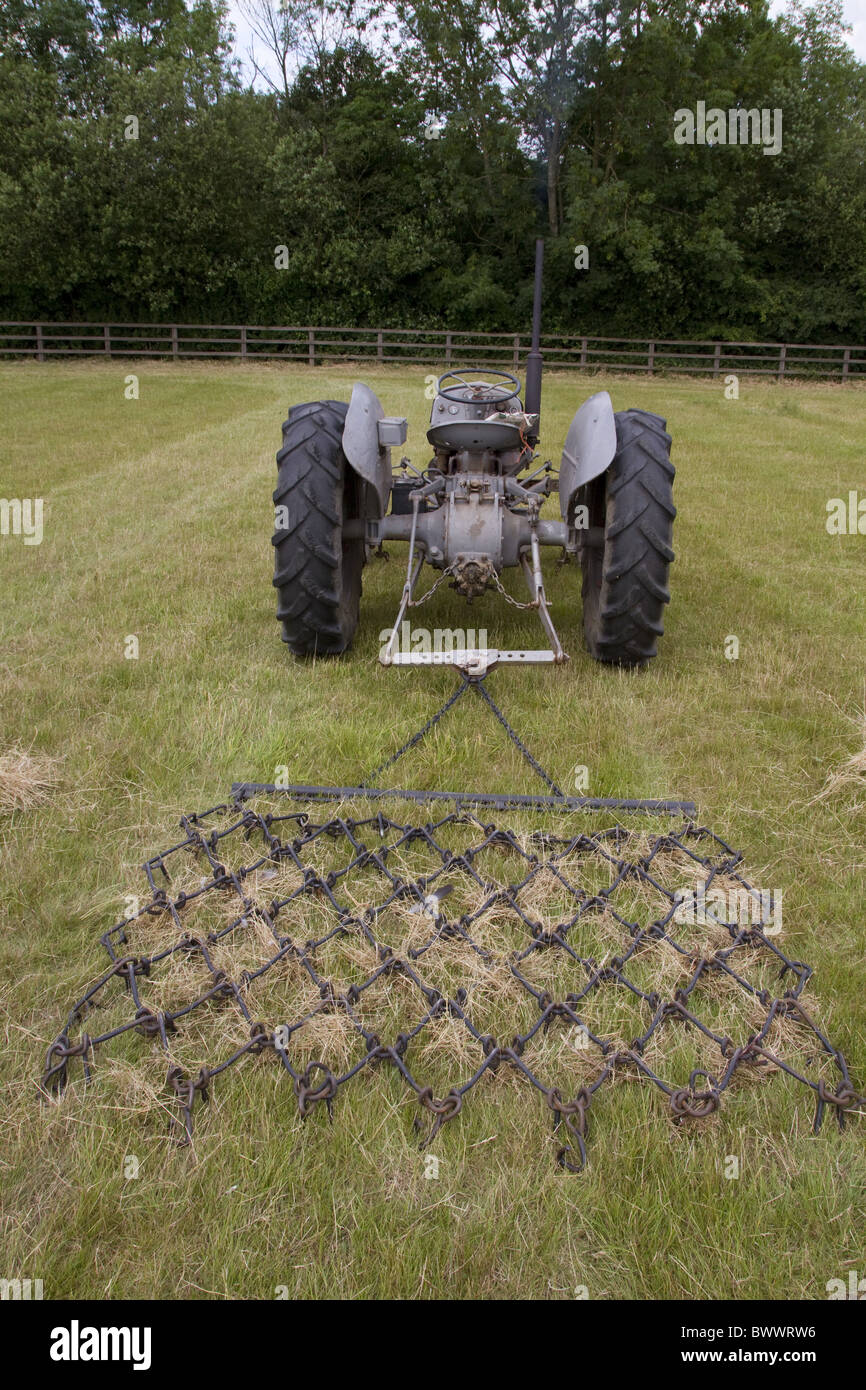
157 524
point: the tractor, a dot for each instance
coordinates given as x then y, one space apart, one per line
475 510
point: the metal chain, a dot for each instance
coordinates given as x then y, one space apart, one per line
370 779
494 579
416 602
260 841
477 682
515 603
515 738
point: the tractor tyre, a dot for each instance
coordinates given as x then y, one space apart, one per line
317 569
625 563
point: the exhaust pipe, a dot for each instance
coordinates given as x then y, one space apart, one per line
532 400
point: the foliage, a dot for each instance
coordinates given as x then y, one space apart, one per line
407 157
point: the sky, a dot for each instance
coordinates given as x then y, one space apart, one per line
855 15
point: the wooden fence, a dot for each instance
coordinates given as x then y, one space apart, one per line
430 347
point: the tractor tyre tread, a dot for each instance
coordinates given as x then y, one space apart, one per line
625 583
316 574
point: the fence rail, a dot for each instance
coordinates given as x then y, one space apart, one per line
430 347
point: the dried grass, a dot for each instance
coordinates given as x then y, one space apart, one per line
853 770
26 781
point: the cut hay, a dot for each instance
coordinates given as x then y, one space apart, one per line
853 771
26 781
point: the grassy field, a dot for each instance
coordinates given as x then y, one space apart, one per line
157 524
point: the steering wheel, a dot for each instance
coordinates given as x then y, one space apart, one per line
479 390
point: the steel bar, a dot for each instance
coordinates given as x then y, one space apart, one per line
243 791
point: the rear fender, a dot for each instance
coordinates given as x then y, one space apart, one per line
590 446
370 459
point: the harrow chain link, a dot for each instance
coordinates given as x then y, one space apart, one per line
211 837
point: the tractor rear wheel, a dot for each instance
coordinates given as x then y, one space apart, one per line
317 569
625 573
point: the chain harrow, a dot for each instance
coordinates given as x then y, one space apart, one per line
238 847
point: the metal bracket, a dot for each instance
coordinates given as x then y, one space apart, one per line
535 581
474 662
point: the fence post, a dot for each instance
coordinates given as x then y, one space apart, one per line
583 352
106 333
447 349
243 341
40 346
174 346
717 358
379 347
782 352
516 358
846 363
651 357
311 346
